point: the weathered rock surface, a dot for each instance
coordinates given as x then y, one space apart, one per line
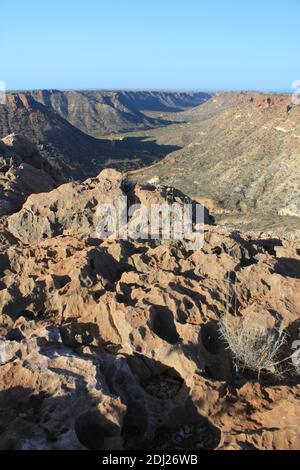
114 343
22 172
71 209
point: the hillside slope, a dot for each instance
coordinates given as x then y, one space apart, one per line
164 101
241 151
66 147
95 113
99 113
70 151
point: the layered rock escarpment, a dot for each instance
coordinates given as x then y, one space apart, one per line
52 122
114 343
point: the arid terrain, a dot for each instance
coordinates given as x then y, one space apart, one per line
240 156
238 153
66 127
132 344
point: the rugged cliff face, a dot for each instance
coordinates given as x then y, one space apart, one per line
23 171
115 343
61 125
100 113
71 152
95 113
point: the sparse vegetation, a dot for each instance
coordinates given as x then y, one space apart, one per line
232 138
253 347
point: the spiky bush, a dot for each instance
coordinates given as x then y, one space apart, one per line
252 347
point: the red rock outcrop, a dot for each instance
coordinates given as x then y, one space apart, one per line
115 344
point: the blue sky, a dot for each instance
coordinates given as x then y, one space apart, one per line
175 44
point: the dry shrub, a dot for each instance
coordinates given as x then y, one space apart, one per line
253 347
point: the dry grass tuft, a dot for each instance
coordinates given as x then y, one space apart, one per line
252 347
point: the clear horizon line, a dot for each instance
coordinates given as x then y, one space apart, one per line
172 90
